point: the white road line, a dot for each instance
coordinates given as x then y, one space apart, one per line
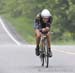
66 52
9 34
62 51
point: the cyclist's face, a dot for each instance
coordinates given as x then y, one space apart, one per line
45 20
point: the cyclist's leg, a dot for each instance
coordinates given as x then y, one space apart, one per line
49 43
37 35
49 39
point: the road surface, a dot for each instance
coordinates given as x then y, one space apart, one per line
16 57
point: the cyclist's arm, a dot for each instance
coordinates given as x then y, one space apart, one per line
36 24
36 21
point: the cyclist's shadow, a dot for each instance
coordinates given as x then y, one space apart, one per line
49 69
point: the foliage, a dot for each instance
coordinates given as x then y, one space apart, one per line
63 12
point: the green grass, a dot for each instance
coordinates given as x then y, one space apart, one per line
24 26
70 42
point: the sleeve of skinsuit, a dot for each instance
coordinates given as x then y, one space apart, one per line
36 21
36 24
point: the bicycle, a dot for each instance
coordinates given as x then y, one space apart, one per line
44 50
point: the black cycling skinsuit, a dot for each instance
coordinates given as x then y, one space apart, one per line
39 24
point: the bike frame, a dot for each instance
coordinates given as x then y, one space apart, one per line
44 50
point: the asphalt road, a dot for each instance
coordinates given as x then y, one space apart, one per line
20 58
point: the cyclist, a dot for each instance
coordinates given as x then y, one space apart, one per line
42 23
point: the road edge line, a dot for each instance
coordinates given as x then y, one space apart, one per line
9 34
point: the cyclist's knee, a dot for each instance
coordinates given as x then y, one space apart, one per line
38 34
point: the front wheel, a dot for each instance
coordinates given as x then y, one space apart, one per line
42 58
46 56
47 60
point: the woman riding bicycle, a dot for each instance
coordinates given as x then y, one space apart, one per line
42 23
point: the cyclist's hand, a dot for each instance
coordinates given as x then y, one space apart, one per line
47 28
43 29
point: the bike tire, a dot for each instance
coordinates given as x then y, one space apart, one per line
46 55
47 64
43 60
42 57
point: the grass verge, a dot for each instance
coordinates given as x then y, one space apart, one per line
24 26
